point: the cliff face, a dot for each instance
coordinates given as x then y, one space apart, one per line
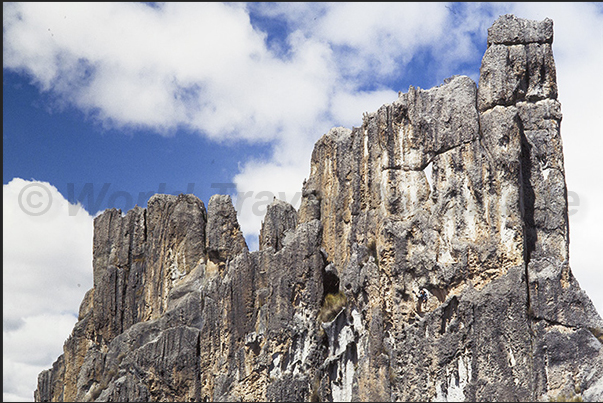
458 190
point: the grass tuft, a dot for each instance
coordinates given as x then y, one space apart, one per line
331 306
562 398
597 332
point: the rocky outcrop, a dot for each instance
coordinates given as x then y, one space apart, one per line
457 190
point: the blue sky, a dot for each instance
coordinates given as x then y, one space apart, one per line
70 150
183 97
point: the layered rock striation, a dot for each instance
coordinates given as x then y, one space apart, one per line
458 190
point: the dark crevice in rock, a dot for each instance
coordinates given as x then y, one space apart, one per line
330 281
449 311
527 196
512 43
394 168
551 322
526 203
214 256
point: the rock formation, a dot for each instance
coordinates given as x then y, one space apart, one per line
458 190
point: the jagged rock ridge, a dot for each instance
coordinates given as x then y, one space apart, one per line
458 190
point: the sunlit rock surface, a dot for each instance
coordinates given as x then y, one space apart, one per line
458 190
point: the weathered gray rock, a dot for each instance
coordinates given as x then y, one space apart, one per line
280 221
224 237
510 30
458 190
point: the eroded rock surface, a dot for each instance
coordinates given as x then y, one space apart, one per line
457 190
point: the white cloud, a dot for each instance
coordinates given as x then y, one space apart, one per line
381 36
41 331
47 268
199 65
259 183
19 379
349 107
374 40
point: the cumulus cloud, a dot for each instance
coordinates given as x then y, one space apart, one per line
381 37
259 183
348 106
47 268
374 42
30 349
202 66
